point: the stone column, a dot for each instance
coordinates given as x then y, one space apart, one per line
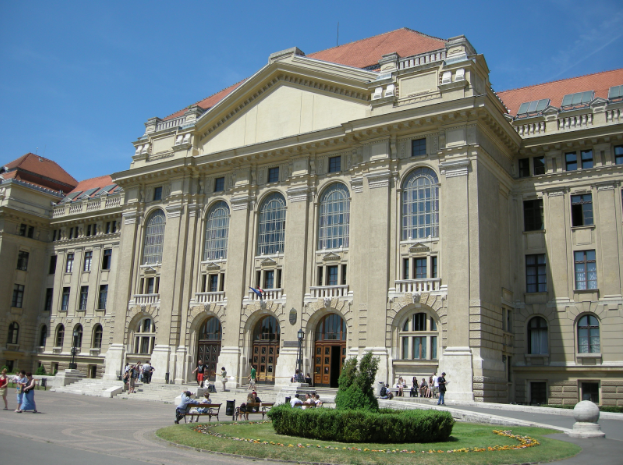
455 230
609 283
558 243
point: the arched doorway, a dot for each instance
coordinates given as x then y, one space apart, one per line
209 345
330 350
266 339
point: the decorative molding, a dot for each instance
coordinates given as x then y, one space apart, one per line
174 211
331 257
192 209
268 262
130 217
298 194
211 266
454 168
419 248
378 179
240 203
556 192
356 184
606 186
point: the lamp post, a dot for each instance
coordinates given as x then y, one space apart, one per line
74 350
299 363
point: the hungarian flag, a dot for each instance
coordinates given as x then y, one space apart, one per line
259 292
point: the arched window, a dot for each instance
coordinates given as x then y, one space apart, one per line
97 336
331 328
78 336
334 217
419 338
13 333
272 226
43 336
420 205
154 238
267 329
60 336
537 336
588 335
144 336
211 330
217 230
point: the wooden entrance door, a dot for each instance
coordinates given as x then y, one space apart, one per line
265 355
208 351
329 350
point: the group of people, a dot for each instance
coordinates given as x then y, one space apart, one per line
25 384
299 378
310 399
133 373
436 386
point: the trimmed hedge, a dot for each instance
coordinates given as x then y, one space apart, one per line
386 426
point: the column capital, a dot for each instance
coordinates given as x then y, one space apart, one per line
453 168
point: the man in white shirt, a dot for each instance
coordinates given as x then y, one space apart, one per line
296 402
435 385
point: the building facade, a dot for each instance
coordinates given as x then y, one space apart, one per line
378 196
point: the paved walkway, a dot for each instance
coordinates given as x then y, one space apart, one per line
77 429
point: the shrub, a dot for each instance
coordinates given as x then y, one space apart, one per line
406 426
40 370
356 384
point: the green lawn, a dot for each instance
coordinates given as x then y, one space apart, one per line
464 435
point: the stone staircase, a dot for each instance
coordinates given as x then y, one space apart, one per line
92 387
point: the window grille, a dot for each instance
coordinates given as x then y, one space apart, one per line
217 231
272 225
537 336
588 335
420 205
334 218
154 238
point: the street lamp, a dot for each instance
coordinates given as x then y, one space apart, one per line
299 363
74 350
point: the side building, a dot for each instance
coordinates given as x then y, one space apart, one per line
378 196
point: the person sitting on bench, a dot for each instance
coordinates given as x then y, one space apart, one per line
185 402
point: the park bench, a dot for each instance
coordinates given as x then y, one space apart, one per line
253 408
213 411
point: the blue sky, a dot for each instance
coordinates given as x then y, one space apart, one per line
78 80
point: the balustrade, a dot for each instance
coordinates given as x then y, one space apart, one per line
531 129
613 116
172 123
94 205
269 294
75 208
421 59
146 299
328 291
575 122
418 285
209 297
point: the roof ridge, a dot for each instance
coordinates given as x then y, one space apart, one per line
560 80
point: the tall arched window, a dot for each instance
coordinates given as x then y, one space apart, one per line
154 238
211 330
272 226
420 205
537 336
588 335
331 328
144 336
97 336
43 337
334 217
419 338
60 336
78 336
267 329
217 230
13 333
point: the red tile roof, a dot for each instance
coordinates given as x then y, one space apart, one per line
100 181
367 52
39 171
359 54
556 90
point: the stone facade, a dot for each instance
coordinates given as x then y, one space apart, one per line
417 132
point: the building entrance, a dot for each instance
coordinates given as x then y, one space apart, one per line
265 351
209 345
329 351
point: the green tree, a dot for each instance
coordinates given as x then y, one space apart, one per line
356 384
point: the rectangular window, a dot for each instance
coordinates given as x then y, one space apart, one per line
26 231
273 174
101 301
405 348
509 320
587 159
571 161
585 269
332 275
618 155
49 293
107 259
269 279
538 165
84 295
258 279
150 286
219 184
335 164
88 260
158 193
433 267
111 227
405 268
590 391
343 275
536 273
52 267
88 230
71 233
18 296
419 322
54 235
65 299
320 270
533 215
69 265
433 347
582 210
419 347
524 167
22 260
420 268
221 286
418 147
213 283
278 284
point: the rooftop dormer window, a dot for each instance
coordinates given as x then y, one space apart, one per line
615 93
577 99
533 107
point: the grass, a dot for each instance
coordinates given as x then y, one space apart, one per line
464 435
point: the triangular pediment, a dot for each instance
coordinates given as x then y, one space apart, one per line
419 248
330 257
211 266
286 98
268 262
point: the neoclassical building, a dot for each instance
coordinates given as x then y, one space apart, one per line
379 196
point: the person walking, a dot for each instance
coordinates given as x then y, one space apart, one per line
442 389
224 378
200 370
20 383
28 400
4 381
435 385
252 378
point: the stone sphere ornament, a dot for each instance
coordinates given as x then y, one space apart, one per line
586 416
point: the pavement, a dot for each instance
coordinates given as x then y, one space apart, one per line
74 429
